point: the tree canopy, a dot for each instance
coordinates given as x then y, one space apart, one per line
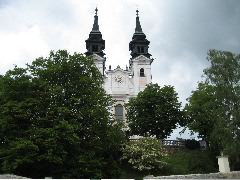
214 107
54 120
154 112
201 110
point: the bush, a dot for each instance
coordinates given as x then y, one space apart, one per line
145 155
140 159
191 162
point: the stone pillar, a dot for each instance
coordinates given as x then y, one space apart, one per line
223 164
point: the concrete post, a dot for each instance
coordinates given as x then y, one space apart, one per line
223 164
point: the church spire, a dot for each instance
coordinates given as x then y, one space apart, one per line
95 24
139 44
138 28
95 44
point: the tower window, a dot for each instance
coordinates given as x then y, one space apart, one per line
95 48
139 50
119 112
141 72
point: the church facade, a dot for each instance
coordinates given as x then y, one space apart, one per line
122 84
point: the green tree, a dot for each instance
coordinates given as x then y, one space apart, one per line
214 108
201 111
54 120
154 112
224 75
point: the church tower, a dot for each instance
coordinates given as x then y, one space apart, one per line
139 44
95 45
140 61
122 84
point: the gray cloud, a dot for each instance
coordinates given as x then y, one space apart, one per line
188 31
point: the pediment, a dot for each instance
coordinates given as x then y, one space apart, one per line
142 58
97 57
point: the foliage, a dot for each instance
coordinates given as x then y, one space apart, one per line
201 110
128 172
54 120
191 162
182 161
192 144
154 112
214 108
224 75
145 154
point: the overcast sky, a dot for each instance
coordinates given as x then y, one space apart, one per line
180 31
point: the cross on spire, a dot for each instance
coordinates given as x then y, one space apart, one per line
137 11
96 10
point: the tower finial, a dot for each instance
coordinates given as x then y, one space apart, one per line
96 10
138 28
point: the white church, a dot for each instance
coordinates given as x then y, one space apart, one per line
122 84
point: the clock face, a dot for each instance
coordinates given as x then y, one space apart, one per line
119 79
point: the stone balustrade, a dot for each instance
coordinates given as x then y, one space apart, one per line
173 143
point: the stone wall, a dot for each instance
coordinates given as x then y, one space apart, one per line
11 176
230 175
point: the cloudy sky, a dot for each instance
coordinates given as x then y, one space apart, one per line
180 32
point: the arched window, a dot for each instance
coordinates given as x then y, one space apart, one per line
119 112
141 72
